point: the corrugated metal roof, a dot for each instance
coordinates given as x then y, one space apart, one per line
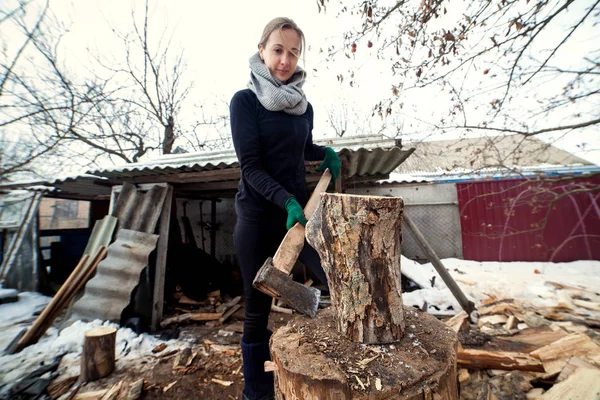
138 210
365 156
471 154
109 291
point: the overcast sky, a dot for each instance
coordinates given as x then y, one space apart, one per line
218 37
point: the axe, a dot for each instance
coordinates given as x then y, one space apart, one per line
273 277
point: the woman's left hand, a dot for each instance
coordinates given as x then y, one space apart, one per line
331 161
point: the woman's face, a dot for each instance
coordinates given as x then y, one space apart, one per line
281 52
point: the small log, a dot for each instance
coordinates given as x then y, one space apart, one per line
358 239
98 355
226 306
483 359
178 319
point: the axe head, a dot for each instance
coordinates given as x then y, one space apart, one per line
278 284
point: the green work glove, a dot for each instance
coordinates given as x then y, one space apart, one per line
331 161
295 213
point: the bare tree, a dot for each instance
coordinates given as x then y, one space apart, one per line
502 67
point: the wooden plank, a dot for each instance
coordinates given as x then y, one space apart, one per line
214 175
483 359
161 260
555 356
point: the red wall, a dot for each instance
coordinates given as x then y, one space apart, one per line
554 219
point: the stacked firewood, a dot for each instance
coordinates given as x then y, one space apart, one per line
521 352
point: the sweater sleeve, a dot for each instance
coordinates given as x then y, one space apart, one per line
312 152
244 131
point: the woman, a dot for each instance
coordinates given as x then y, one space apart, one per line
271 124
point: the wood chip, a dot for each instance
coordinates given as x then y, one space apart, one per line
511 323
135 390
360 382
169 386
94 395
159 348
378 385
463 375
270 366
221 382
281 310
366 361
459 322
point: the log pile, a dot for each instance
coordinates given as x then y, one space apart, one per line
213 311
517 351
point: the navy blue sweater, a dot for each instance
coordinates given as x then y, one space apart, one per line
271 148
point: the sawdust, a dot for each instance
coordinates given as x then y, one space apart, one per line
423 355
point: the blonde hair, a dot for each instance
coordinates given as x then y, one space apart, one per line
281 23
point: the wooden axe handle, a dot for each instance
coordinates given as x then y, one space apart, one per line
293 242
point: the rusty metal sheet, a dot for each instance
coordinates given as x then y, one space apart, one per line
109 292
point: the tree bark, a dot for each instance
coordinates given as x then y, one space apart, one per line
98 355
359 240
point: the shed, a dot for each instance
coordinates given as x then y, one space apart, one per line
201 186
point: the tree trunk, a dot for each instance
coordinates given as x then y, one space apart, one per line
98 356
359 240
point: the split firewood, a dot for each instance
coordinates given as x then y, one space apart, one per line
113 392
565 303
556 355
60 386
178 319
573 365
498 307
588 305
95 395
226 306
459 323
494 319
483 359
540 336
535 394
132 391
182 358
186 300
511 323
584 383
568 326
229 313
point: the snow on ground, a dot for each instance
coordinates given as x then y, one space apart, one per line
523 281
130 347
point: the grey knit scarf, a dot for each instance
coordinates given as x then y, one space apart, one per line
275 95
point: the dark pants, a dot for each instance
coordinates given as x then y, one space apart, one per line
254 243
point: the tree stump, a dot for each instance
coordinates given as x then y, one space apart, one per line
98 355
366 345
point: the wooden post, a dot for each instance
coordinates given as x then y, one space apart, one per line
161 260
345 352
359 240
98 355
